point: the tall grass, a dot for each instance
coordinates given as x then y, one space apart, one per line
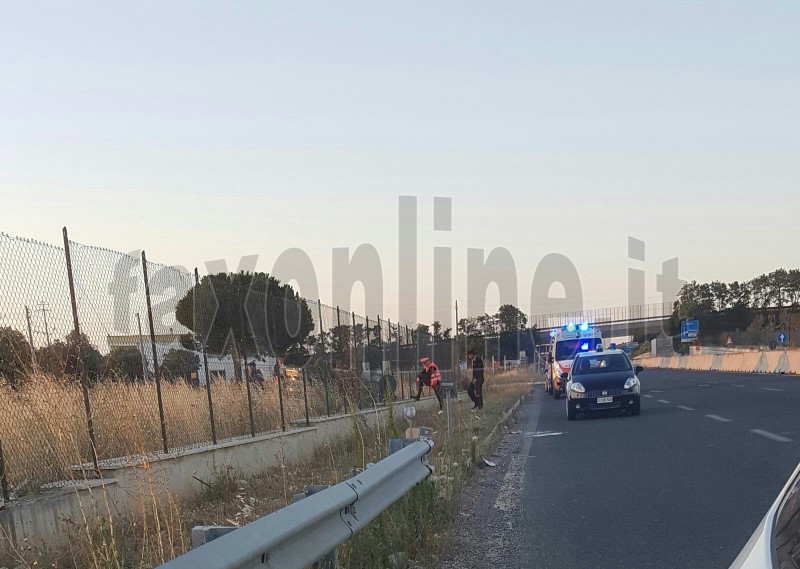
43 424
159 527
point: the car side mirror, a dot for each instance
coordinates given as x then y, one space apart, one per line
638 369
565 376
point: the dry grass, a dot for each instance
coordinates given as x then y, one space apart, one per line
160 528
44 432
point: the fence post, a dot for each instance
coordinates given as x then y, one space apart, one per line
205 369
3 478
324 371
249 392
156 373
339 325
243 353
280 400
354 349
305 396
366 348
78 364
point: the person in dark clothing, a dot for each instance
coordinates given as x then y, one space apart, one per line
255 374
431 377
475 389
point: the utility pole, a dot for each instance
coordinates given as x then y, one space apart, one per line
30 335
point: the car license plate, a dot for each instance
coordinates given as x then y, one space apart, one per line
605 399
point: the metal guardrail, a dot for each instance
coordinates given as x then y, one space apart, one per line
300 534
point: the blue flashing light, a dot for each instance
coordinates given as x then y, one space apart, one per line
584 327
585 347
570 327
553 333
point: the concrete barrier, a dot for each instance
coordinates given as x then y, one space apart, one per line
763 365
700 362
793 361
48 518
782 365
740 362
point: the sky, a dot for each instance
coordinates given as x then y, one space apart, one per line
207 130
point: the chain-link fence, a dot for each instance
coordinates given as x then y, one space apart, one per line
106 355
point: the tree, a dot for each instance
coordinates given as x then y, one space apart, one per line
179 364
722 295
439 332
740 294
509 318
15 356
251 313
339 342
125 362
52 359
72 357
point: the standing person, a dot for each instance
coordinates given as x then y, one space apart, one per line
278 369
431 377
255 375
475 389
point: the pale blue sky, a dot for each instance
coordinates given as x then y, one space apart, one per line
213 130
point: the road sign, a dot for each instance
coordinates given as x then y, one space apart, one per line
782 338
689 330
729 342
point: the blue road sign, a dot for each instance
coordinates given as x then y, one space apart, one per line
782 337
689 330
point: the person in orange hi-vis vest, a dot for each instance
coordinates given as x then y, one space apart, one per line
431 377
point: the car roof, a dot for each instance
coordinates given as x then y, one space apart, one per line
585 354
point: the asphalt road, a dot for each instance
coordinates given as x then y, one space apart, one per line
682 485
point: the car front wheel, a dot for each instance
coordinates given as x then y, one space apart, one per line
571 413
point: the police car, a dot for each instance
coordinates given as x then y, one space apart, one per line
602 380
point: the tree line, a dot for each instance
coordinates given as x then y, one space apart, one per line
722 307
250 315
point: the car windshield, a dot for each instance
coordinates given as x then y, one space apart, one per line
567 349
601 363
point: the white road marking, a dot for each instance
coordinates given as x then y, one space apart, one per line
648 396
655 391
736 385
663 401
770 389
685 408
718 418
771 436
543 434
702 385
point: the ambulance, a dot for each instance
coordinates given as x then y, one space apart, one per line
564 344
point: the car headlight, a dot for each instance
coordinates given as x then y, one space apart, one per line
631 383
578 388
